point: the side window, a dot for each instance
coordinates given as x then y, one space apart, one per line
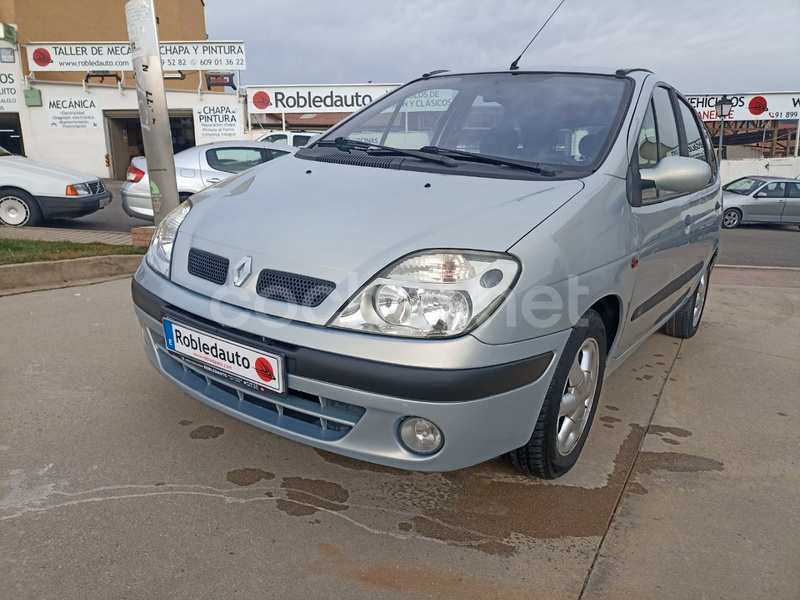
772 190
794 190
276 138
300 140
696 145
648 149
270 154
668 140
234 160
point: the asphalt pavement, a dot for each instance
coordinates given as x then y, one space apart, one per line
114 484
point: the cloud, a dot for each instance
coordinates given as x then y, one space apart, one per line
697 45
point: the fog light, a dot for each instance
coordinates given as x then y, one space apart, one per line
421 436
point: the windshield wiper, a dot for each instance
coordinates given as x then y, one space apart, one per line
491 160
345 144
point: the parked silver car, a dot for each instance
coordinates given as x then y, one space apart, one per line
457 289
761 199
196 168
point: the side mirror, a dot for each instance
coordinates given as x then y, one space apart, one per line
678 174
760 195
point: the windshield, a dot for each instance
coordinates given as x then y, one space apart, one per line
743 186
559 119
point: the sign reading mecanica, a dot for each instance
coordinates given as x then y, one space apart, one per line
74 113
116 56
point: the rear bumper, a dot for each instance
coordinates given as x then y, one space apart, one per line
352 406
72 206
137 205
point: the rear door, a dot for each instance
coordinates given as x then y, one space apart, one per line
766 205
791 210
664 236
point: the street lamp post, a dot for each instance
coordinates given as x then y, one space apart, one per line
723 108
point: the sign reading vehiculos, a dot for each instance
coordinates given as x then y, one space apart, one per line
313 98
765 106
116 56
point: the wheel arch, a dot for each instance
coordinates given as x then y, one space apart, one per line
610 310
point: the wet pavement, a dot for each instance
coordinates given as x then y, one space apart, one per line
115 484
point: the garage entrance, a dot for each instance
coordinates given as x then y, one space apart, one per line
124 133
11 133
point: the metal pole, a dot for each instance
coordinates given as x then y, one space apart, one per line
721 134
797 138
153 112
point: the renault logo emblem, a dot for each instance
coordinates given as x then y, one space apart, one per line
242 271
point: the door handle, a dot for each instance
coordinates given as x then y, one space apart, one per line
688 220
214 180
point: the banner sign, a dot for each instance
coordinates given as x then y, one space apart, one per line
74 113
750 107
10 79
313 98
217 121
116 56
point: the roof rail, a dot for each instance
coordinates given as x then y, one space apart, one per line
624 72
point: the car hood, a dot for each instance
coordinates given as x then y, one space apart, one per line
28 167
344 224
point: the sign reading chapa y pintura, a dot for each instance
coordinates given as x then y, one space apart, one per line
116 56
217 121
74 113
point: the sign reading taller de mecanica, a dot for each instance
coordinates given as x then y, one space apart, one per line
116 56
313 98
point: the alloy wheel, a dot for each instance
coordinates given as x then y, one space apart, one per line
699 300
576 402
13 211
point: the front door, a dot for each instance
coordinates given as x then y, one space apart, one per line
766 205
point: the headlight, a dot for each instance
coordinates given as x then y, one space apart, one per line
159 254
79 189
433 294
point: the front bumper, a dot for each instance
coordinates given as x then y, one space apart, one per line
73 206
353 406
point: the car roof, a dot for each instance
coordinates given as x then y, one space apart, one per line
767 178
583 70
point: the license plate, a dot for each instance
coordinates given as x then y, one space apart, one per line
253 368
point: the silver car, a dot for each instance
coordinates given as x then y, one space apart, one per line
759 199
196 168
457 287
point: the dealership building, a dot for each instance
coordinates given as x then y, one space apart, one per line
73 103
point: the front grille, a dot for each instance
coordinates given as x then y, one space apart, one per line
96 187
295 289
208 266
300 412
361 161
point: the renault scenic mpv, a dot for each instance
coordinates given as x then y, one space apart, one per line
449 274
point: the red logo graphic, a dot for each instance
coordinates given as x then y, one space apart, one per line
261 100
42 57
758 105
264 369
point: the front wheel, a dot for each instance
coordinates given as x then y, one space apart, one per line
732 218
19 209
569 406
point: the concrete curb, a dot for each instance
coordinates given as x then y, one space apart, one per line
36 276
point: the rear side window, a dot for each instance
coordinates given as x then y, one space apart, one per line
300 140
794 190
276 138
235 160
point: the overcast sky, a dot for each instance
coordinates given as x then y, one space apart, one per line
697 45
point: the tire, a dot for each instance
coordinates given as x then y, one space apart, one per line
685 323
19 209
731 218
545 455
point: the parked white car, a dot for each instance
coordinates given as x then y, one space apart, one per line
32 191
289 138
196 168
